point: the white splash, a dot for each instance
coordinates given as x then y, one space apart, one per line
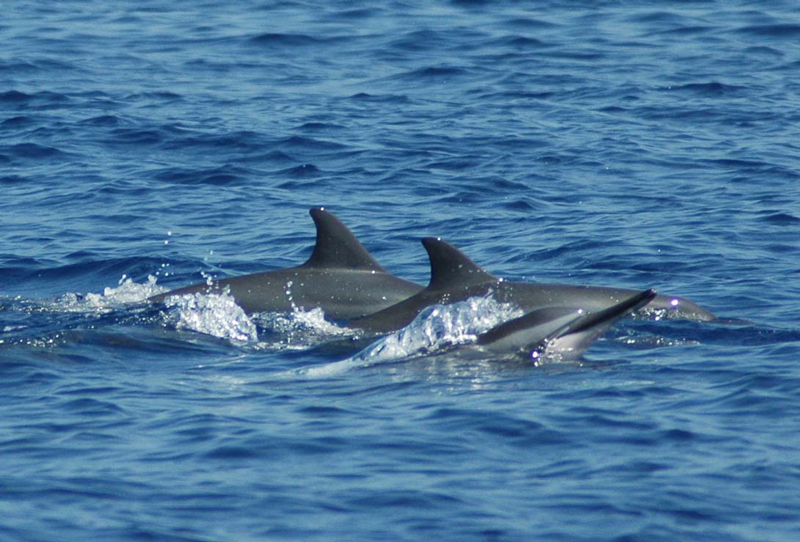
299 329
215 314
127 291
436 328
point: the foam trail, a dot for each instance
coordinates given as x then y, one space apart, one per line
126 292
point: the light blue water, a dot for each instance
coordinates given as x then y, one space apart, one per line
608 143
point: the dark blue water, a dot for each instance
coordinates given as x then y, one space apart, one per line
147 145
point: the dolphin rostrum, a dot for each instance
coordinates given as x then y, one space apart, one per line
341 277
454 277
565 332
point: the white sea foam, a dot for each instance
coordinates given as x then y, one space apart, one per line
298 330
215 314
436 328
127 291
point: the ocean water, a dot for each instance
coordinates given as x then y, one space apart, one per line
150 145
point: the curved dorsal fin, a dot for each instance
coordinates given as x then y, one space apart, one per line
336 246
452 268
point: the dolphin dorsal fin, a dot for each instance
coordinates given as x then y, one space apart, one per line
336 246
452 268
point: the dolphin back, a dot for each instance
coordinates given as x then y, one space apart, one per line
341 277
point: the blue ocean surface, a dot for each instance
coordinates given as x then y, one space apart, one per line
150 145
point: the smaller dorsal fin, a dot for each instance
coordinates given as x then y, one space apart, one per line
337 247
452 268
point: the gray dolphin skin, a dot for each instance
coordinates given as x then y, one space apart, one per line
454 277
566 332
341 277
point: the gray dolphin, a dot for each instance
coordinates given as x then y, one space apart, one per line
341 277
565 332
454 277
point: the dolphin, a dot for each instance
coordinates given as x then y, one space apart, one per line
341 277
454 277
565 332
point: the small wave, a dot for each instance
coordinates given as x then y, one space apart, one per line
278 39
781 31
762 50
419 40
712 88
150 96
321 127
14 96
32 151
434 74
520 43
779 218
398 99
660 17
688 30
15 123
218 176
242 141
300 172
136 136
309 143
273 156
31 66
102 120
355 14
17 67
530 24
12 179
37 100
87 406
284 40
